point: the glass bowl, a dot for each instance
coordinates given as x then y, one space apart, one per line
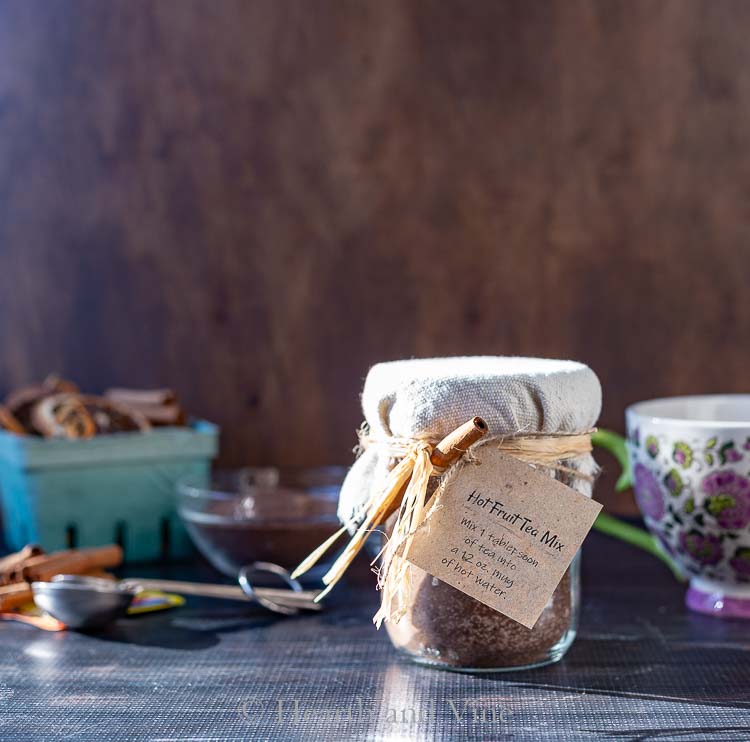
271 515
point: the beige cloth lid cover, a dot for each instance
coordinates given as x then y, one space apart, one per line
431 397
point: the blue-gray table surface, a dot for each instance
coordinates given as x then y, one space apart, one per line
642 668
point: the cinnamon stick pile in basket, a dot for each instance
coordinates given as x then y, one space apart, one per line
57 408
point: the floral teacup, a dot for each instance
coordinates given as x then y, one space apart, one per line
690 461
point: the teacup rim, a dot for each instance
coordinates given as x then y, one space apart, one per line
640 410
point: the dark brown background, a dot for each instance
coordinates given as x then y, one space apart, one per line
255 201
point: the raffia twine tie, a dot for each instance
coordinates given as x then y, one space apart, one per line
404 493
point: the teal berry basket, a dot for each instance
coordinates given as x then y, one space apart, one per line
117 488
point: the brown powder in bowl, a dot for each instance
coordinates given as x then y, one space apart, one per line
447 627
279 525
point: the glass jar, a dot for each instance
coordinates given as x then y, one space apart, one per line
445 627
427 399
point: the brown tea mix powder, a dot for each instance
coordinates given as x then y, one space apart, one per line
447 627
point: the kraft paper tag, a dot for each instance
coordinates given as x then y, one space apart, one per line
503 533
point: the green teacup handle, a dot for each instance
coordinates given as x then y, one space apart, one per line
615 444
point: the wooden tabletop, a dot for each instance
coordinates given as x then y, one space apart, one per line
642 668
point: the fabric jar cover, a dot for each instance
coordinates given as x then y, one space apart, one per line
432 397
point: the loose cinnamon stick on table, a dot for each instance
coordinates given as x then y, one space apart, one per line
74 561
13 562
13 596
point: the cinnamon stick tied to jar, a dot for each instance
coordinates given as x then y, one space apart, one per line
404 494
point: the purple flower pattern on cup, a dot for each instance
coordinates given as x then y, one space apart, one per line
682 454
648 493
703 548
740 563
673 482
727 498
728 454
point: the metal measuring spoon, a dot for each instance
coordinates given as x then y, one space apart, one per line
92 602
83 602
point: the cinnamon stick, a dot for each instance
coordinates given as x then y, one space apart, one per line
162 414
457 443
74 561
9 422
142 397
159 406
13 596
10 564
447 452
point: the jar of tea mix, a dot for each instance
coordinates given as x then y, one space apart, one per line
519 399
